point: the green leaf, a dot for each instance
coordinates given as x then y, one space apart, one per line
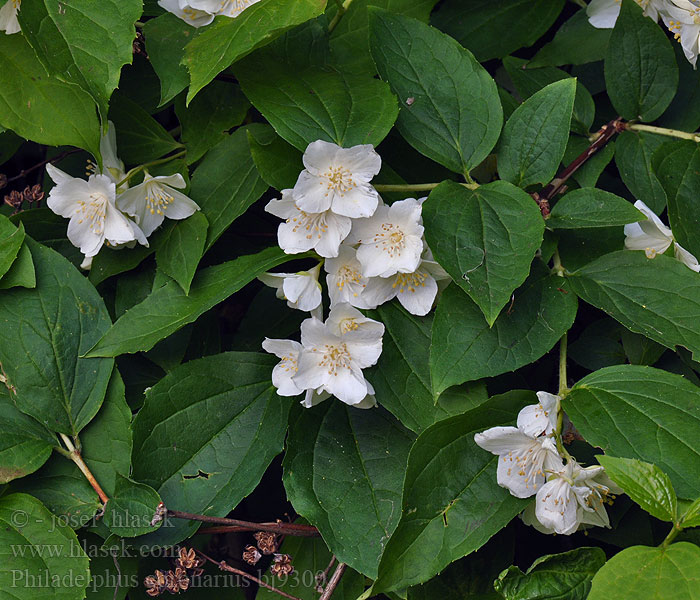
684 112
349 41
677 166
424 67
645 483
671 573
318 104
44 333
484 238
226 183
633 151
25 444
178 256
591 208
166 37
278 162
83 41
11 239
464 348
21 272
311 557
113 573
42 109
344 471
240 427
220 107
640 350
535 136
168 308
691 517
64 569
480 26
452 504
644 413
140 138
640 66
227 40
576 42
657 298
554 576
402 375
131 509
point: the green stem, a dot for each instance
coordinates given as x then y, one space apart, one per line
74 455
684 135
416 187
342 9
140 168
675 530
557 267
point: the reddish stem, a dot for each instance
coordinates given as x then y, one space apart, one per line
231 525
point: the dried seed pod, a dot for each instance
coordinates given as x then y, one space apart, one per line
267 542
282 565
251 555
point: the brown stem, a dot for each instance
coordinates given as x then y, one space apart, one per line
74 455
225 567
24 172
231 525
602 137
333 583
322 578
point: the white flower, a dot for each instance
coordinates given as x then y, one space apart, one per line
391 241
154 199
572 496
541 418
344 319
603 13
228 8
654 238
184 10
8 17
345 280
682 17
337 179
303 231
112 166
416 291
90 206
333 363
301 290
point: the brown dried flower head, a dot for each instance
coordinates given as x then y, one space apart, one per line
267 541
155 584
187 559
251 555
282 565
14 199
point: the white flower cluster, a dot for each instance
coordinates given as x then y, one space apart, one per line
682 17
372 253
104 211
654 238
8 17
199 13
529 464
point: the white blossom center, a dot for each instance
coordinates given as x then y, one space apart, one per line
157 199
338 179
410 281
93 211
314 224
335 357
390 239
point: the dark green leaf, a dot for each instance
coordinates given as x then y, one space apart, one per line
484 238
424 68
452 504
11 239
535 136
589 172
217 109
179 254
671 573
227 40
591 208
44 333
553 577
83 41
479 25
344 471
645 483
464 348
226 183
131 509
278 162
640 350
684 112
311 104
42 109
66 567
645 413
168 308
633 151
657 298
230 424
640 67
21 272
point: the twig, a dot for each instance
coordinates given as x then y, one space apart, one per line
226 567
322 577
333 583
238 525
601 138
683 135
24 172
416 187
74 455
